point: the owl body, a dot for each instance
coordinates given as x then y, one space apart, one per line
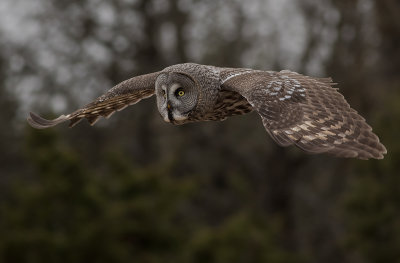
203 98
295 109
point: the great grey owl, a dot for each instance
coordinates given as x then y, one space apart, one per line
295 109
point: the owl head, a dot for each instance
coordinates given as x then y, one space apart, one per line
177 95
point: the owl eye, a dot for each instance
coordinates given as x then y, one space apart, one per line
163 93
179 92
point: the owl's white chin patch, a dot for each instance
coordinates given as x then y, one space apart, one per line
166 118
178 117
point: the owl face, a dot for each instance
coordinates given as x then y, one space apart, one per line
177 96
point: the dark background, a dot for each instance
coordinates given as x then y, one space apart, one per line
134 188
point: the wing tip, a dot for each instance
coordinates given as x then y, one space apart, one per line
38 122
381 154
377 152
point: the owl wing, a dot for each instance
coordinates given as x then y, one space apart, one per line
304 111
118 98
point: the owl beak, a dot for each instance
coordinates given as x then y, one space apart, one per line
169 112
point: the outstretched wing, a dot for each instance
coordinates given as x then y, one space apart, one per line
118 98
304 111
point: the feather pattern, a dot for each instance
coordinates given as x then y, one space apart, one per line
307 112
118 98
228 103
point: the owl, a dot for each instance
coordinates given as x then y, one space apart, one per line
295 109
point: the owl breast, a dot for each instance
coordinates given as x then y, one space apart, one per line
228 104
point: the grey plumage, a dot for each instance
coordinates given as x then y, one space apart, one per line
295 109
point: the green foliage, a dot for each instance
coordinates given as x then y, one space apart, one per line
373 212
64 211
245 237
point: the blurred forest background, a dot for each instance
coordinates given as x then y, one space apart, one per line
134 188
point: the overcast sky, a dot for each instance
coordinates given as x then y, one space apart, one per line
276 27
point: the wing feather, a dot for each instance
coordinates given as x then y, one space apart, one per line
118 98
306 112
